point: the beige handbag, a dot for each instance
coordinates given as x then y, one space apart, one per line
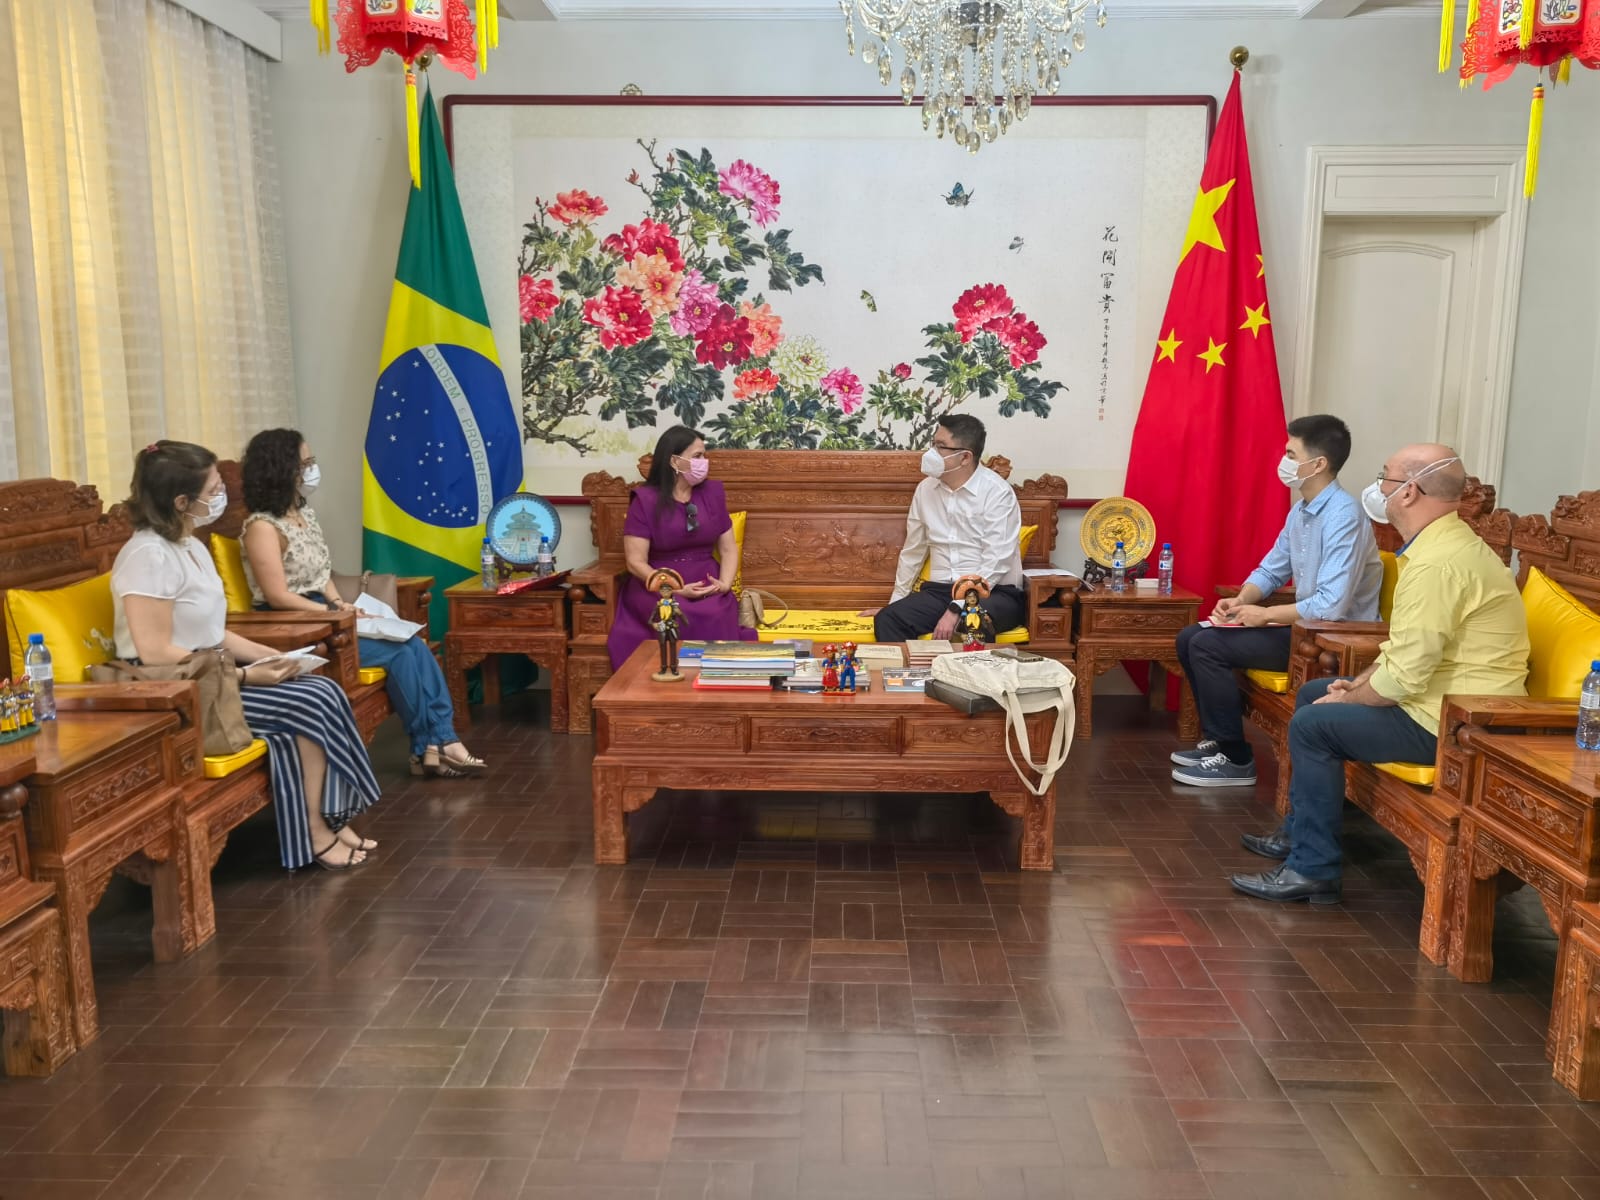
753 613
222 720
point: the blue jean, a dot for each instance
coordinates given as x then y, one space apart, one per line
1322 738
416 688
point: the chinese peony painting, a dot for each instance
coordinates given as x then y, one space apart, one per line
819 290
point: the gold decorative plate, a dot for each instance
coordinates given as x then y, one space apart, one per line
1118 519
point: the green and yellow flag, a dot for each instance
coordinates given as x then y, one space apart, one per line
443 442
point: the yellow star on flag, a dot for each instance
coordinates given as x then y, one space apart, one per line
1255 318
1212 355
1169 347
1203 229
1263 264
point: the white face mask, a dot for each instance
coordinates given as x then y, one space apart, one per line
934 463
1374 503
213 510
309 479
1289 472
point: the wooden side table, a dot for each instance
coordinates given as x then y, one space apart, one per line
484 623
1133 626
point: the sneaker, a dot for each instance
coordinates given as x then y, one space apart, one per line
1216 771
1193 758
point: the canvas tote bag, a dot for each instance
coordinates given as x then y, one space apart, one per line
1019 688
222 722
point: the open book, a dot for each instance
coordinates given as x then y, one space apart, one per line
378 620
303 658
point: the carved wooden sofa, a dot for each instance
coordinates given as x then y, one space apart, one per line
823 531
1269 695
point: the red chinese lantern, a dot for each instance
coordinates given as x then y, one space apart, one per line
1548 35
418 31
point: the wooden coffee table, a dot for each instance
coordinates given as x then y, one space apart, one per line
652 735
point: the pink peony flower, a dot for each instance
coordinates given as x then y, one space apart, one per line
844 387
647 237
979 305
765 325
697 305
652 277
1018 335
620 315
749 384
742 181
725 342
537 298
902 371
577 207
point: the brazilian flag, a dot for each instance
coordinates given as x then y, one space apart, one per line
443 442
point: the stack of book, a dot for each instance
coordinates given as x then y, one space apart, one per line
922 654
744 665
906 679
881 654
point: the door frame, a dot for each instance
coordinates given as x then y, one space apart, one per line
1444 183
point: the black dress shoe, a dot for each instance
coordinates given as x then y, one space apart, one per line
1284 884
1268 845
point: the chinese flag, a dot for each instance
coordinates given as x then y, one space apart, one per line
1211 428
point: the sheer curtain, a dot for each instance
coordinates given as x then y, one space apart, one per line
140 239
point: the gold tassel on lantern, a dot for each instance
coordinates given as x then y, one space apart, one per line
488 30
1530 178
1564 71
319 22
1447 35
1525 30
413 128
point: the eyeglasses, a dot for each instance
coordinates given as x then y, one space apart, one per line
691 517
1382 479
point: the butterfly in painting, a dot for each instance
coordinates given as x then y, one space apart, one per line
1016 244
959 197
868 300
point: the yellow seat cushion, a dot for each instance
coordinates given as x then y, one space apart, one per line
228 554
1420 774
738 519
371 674
1023 541
78 623
1564 634
1391 576
1270 681
220 766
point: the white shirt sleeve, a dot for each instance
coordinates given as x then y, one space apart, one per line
147 568
913 552
999 532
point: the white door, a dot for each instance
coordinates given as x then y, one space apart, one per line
1396 350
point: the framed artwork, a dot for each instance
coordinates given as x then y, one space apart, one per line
792 273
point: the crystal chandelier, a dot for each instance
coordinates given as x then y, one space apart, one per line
955 49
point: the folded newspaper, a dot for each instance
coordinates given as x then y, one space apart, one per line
378 620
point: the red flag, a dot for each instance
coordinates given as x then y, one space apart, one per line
1211 427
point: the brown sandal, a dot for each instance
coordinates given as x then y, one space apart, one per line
349 863
438 764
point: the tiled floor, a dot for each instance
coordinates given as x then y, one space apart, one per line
783 997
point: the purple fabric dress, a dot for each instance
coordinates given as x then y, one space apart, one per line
713 618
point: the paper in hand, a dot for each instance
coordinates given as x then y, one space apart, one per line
305 661
378 620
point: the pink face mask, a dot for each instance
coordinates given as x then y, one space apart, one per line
697 469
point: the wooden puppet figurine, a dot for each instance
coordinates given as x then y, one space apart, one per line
975 625
667 620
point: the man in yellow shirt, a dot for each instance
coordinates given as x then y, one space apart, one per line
1457 628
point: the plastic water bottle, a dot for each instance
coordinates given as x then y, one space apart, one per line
1119 569
545 565
1164 567
1589 710
43 677
490 566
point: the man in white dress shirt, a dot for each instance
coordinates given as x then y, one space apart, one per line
964 520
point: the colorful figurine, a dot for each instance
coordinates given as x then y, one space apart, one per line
667 621
25 695
975 625
8 710
848 665
830 669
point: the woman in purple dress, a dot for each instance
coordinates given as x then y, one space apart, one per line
676 519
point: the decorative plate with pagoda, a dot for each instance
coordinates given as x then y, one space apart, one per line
516 524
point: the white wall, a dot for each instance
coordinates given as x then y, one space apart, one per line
1362 81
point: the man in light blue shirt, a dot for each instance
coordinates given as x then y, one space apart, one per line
1328 550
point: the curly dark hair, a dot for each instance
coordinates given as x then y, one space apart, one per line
271 469
164 471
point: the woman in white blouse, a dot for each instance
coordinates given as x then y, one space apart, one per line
169 603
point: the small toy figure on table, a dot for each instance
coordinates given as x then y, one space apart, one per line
830 669
849 664
975 626
667 621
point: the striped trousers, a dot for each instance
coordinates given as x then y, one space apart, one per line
314 708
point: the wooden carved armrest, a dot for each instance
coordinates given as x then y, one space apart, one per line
1462 714
136 695
1369 629
332 633
1345 653
1226 591
414 595
601 579
1048 591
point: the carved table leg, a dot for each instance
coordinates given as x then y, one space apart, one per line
1038 814
1438 907
168 884
1084 699
1472 926
1188 713
196 849
78 894
38 1038
610 832
1574 1041
491 679
556 663
455 674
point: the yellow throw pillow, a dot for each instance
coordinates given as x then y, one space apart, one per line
1391 576
738 540
78 622
1023 542
228 554
1565 635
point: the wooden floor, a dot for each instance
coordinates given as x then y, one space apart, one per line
788 997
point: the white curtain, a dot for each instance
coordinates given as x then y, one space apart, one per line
140 239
